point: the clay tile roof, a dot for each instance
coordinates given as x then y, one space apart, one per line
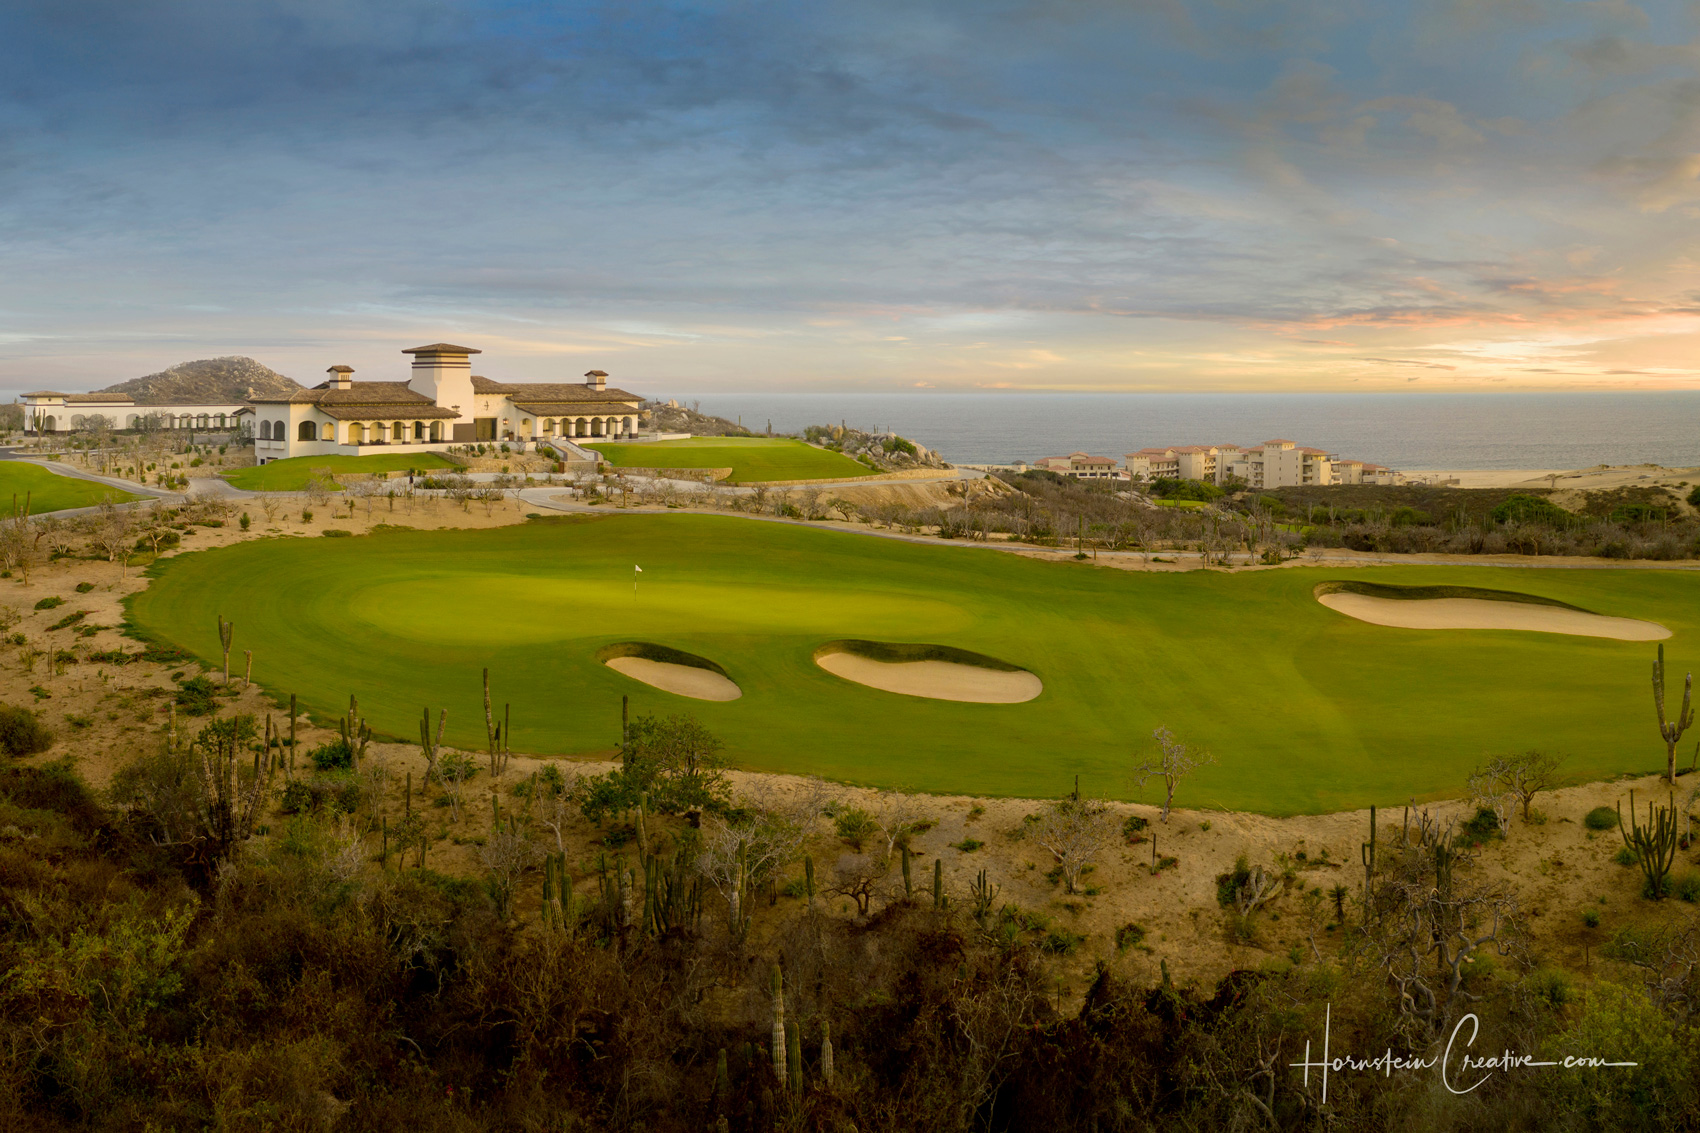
104 398
44 393
1374 467
1315 451
441 348
481 384
400 412
359 393
596 373
340 370
1278 441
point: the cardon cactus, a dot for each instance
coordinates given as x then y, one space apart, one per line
938 883
777 985
908 888
826 1068
794 1056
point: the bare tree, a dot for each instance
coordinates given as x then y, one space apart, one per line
1486 791
858 876
1175 761
741 853
112 533
1073 830
507 853
900 818
1524 775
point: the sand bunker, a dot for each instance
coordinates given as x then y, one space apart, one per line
670 670
1480 613
953 676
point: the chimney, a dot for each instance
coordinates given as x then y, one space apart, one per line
342 377
596 379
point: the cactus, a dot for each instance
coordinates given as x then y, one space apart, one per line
984 895
1654 844
938 883
826 1067
908 889
722 1080
225 631
809 877
292 734
1367 850
1670 730
794 1056
777 984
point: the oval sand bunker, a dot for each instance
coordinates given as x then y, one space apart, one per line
936 672
670 670
1455 608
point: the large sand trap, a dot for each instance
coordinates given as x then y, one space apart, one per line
937 680
1481 613
685 680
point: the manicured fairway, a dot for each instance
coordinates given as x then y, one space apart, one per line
749 458
1306 710
49 491
292 475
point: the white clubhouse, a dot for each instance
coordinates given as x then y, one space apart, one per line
442 403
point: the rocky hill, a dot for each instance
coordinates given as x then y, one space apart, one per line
671 417
207 381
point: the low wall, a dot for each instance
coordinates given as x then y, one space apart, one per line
702 475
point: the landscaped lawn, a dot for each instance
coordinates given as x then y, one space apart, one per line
1305 709
749 458
49 491
292 475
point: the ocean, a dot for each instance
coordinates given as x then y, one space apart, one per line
1406 431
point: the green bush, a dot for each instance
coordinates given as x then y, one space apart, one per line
1694 497
22 732
1484 827
336 533
1625 856
1132 827
1129 936
967 845
1687 887
1591 918
49 603
333 756
1522 508
195 697
84 587
1601 818
855 826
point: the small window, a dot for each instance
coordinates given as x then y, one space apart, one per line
306 432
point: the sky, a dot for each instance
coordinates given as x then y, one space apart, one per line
1176 195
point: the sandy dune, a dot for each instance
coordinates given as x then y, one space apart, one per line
685 680
937 680
1480 613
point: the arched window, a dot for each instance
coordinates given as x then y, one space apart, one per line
419 430
306 432
201 421
219 420
398 432
436 431
48 424
135 421
265 430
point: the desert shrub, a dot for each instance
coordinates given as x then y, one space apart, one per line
1530 509
333 756
1687 887
196 697
84 587
49 603
1551 986
1601 818
1129 936
967 845
1591 918
855 826
1132 827
336 533
1483 827
22 732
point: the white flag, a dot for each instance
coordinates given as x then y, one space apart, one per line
638 569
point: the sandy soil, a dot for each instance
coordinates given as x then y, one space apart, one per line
1564 480
936 680
1481 613
685 680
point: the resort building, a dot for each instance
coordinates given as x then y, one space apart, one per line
1081 466
48 411
1272 464
442 403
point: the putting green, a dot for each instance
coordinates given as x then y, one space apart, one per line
751 459
1306 710
49 491
291 475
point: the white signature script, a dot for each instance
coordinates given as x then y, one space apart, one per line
1455 1067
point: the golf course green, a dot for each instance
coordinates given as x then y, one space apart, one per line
48 491
292 474
1304 709
751 459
